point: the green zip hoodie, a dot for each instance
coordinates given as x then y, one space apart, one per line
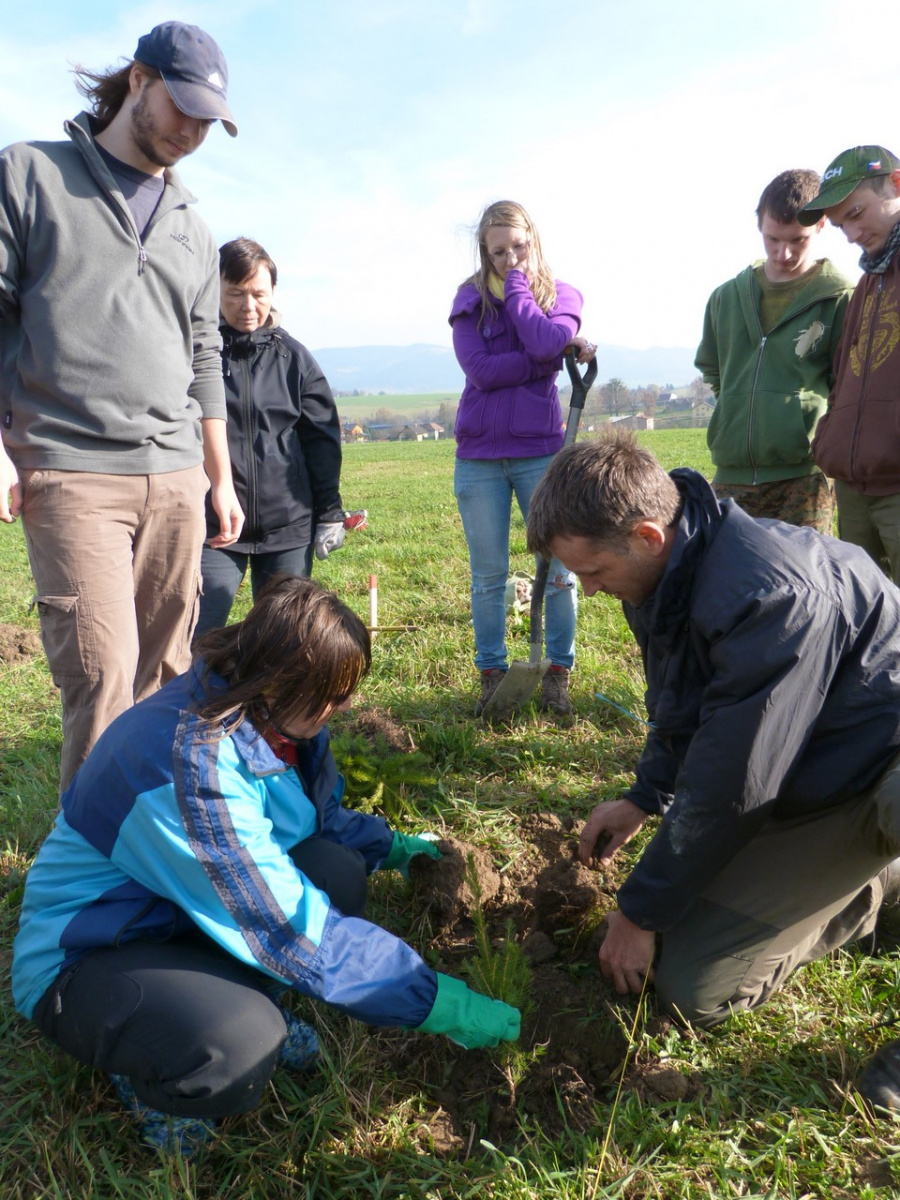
109 345
771 389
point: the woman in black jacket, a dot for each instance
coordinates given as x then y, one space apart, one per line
283 436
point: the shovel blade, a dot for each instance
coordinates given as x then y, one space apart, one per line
516 689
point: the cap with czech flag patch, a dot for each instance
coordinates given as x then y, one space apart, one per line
845 174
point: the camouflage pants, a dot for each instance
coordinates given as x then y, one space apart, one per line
808 500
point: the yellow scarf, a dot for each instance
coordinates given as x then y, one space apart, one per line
495 286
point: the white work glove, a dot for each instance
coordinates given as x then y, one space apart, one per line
329 536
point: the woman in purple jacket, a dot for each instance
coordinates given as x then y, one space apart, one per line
511 323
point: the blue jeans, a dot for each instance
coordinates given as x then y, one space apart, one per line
484 490
223 570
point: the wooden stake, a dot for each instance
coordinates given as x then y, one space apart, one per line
373 604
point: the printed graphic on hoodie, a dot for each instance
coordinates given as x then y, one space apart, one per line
885 334
808 340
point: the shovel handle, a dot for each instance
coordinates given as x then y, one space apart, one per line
536 631
581 384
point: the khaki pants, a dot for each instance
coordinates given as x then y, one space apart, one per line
798 890
116 564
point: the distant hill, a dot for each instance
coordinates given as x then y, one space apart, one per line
391 369
424 368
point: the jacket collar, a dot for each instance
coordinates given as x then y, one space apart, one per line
253 748
81 130
244 345
666 610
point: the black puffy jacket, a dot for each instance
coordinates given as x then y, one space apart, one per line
284 439
772 660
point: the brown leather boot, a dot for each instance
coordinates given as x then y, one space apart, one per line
555 691
490 681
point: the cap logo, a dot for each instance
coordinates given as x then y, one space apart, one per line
832 173
874 166
216 80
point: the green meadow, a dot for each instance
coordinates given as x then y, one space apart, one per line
358 408
767 1109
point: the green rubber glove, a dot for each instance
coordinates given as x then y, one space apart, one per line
406 846
469 1018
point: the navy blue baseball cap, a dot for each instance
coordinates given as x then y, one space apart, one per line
193 69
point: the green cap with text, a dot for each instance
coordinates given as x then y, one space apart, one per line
844 174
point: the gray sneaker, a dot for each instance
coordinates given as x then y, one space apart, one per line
554 695
490 681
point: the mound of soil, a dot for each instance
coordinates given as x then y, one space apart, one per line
442 887
379 729
18 644
572 1048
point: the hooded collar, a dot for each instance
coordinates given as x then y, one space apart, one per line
243 345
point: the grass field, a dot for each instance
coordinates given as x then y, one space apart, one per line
357 408
769 1111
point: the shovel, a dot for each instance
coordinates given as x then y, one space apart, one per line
521 680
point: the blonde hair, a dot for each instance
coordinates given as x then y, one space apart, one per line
509 214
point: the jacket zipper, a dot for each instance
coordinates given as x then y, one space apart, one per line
252 481
762 348
790 314
864 379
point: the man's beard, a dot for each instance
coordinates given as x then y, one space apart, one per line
144 131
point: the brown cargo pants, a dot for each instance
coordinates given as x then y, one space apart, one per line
116 565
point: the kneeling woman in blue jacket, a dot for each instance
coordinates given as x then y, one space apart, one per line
202 863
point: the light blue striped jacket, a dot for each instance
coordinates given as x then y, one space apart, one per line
163 828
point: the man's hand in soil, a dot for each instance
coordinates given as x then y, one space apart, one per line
615 820
468 1017
626 956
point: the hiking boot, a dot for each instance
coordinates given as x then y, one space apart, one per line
161 1131
490 681
300 1050
880 1081
554 695
887 927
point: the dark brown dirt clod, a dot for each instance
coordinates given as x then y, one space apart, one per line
380 729
18 644
441 886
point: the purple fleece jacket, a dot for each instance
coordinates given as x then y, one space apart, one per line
509 406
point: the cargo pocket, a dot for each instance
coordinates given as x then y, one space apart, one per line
63 638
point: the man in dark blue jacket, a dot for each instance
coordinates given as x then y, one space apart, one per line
773 691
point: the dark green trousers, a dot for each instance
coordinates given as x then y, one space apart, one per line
801 888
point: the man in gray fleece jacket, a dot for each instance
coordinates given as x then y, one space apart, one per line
113 410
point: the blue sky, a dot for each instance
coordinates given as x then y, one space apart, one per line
638 135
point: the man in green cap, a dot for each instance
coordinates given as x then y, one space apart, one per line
858 439
770 336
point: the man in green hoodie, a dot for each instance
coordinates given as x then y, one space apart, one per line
769 340
111 379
